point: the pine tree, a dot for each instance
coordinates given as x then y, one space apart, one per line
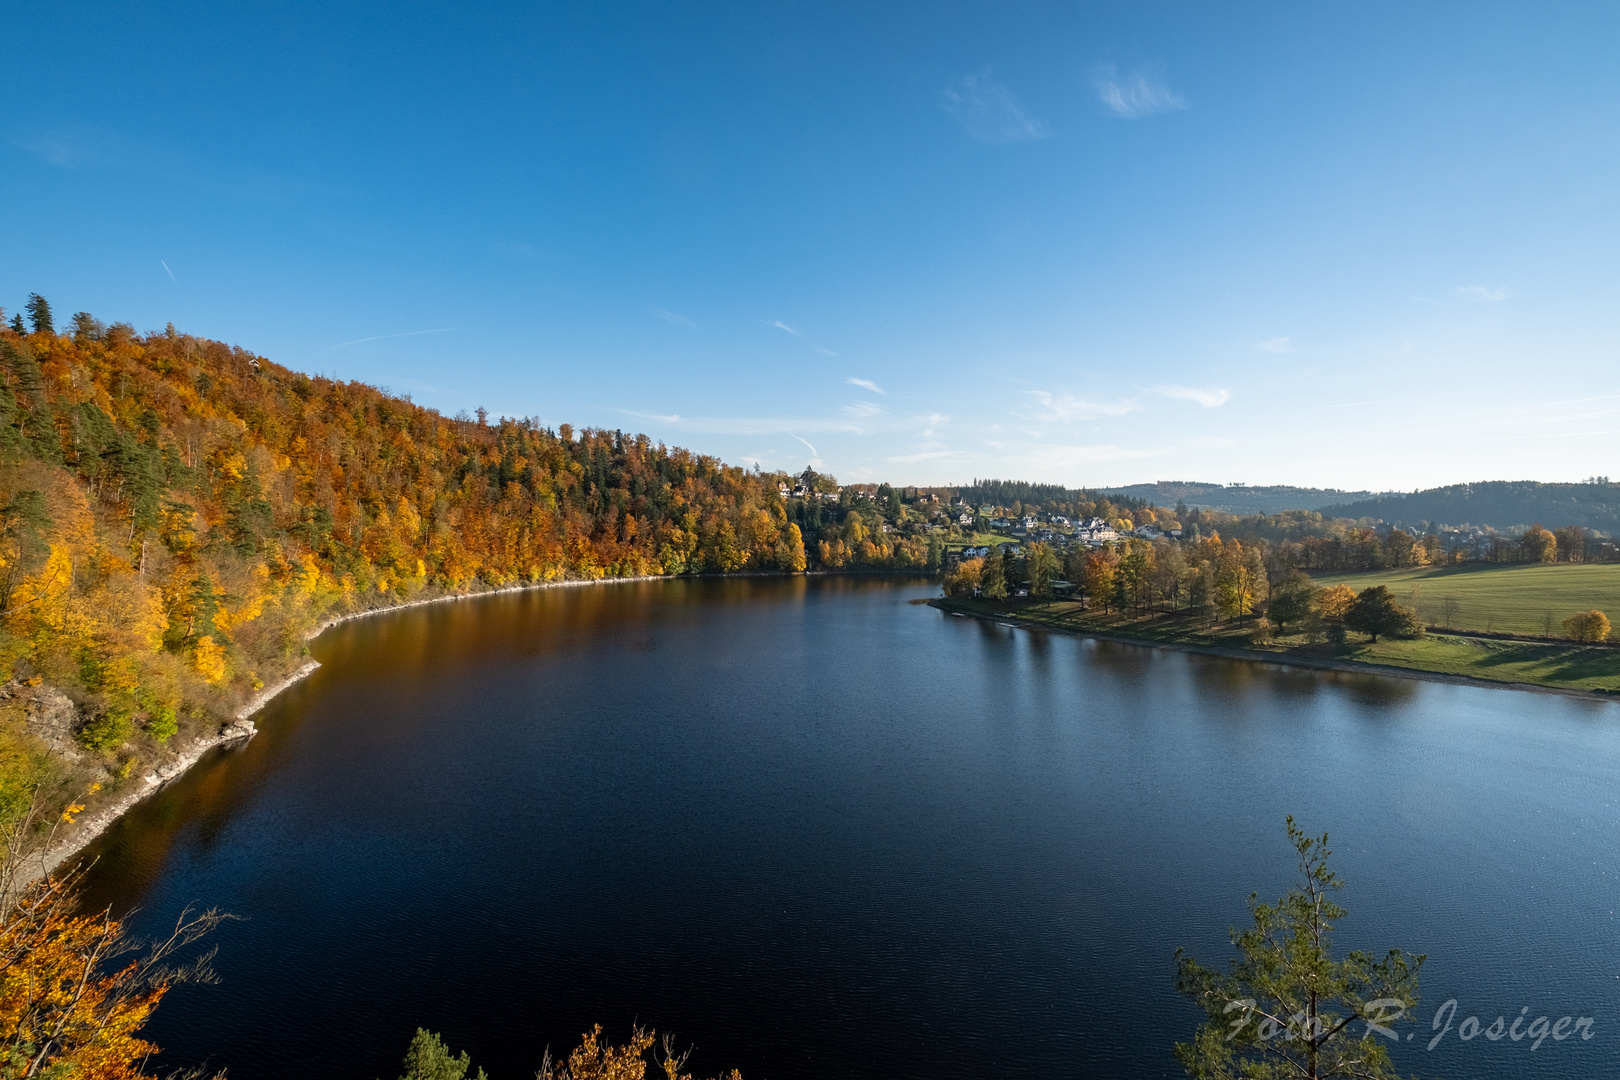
429 1059
1287 1008
39 313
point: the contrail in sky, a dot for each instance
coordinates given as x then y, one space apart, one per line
385 337
170 272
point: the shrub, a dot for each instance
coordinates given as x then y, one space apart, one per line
1587 626
1337 636
163 724
106 732
1263 633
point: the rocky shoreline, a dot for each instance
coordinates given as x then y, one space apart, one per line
240 727
54 717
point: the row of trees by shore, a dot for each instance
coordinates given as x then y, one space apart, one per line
1209 578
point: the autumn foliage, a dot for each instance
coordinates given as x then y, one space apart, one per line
1588 626
177 514
594 1058
75 989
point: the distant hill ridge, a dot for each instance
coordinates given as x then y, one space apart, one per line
1501 504
1498 504
1239 498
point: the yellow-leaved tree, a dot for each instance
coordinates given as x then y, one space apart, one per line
75 988
594 1058
1587 626
1335 600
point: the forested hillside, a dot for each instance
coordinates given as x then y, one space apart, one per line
1237 499
1007 493
176 514
1498 504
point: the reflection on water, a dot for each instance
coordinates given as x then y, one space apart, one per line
821 831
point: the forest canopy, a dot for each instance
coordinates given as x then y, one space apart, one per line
176 514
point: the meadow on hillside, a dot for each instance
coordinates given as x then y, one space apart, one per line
1496 597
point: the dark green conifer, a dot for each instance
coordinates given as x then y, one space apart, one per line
39 313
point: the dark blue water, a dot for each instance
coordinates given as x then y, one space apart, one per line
820 831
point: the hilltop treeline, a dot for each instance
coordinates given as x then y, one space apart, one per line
1239 498
1309 540
1052 497
1500 504
176 513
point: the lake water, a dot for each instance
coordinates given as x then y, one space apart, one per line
821 831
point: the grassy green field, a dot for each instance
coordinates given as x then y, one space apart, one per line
1566 666
980 539
1572 666
1505 599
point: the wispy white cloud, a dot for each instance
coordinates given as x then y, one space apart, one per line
990 112
1209 399
670 317
863 409
1141 93
923 455
82 148
866 384
824 351
743 425
1481 294
1066 408
1076 460
424 387
1048 458
815 458
1278 345
386 337
780 325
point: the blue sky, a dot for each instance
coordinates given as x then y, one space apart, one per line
1352 246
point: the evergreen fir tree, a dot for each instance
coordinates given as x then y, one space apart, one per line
39 313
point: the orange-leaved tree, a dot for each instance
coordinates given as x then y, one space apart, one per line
75 987
597 1060
594 1058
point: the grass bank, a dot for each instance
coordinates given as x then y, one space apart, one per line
1567 667
1496 598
